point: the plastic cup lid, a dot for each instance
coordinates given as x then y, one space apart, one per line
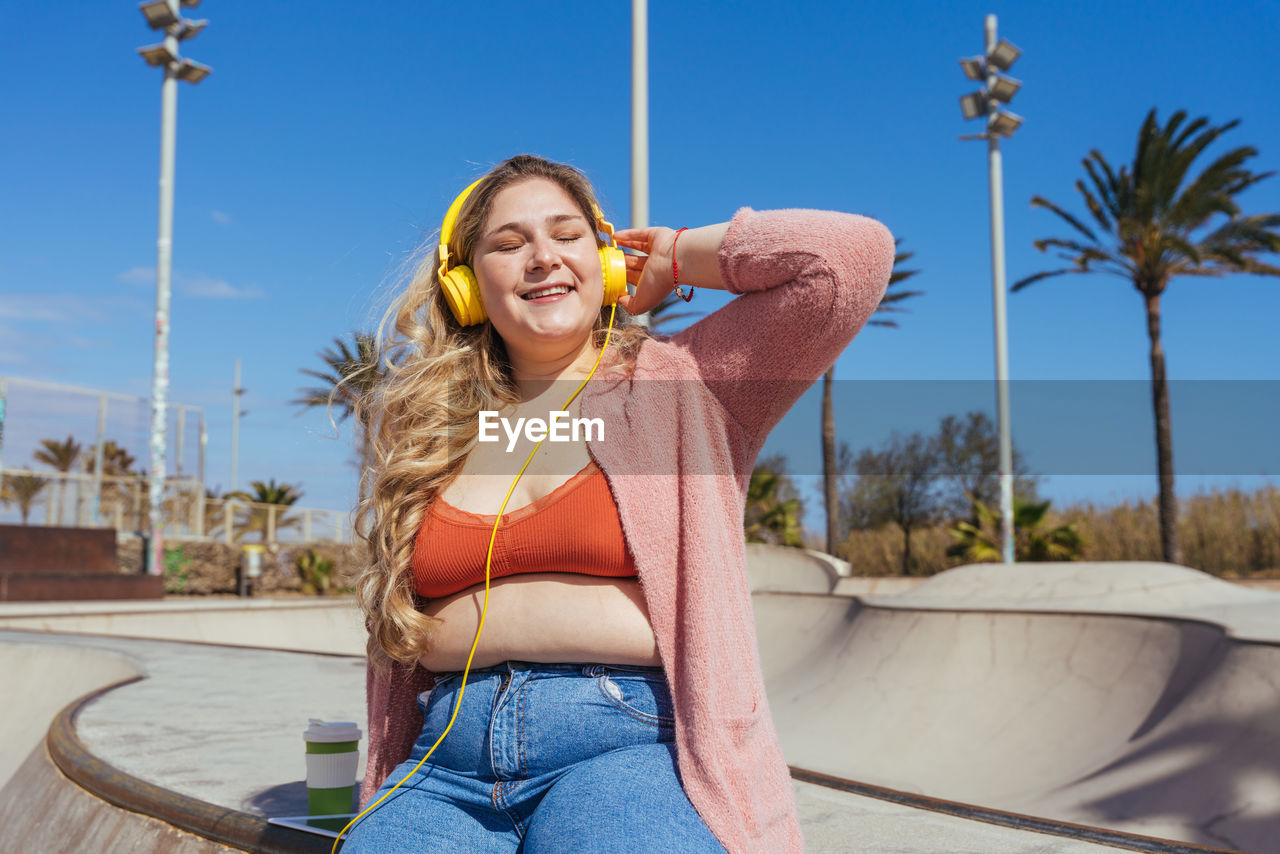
322 731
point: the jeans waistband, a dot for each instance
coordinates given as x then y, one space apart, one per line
539 666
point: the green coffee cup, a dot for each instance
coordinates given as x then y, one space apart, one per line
333 756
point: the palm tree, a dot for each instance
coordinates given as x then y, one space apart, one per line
117 463
281 495
830 466
61 456
980 542
1149 231
21 489
768 517
351 374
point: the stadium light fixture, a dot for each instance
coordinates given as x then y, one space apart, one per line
1005 88
159 14
1003 55
191 71
157 55
190 29
973 105
1006 123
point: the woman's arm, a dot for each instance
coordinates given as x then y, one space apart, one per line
808 281
391 698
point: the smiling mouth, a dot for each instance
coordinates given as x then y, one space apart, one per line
555 290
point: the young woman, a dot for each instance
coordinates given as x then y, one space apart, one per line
614 699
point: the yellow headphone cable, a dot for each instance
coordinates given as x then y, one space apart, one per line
487 562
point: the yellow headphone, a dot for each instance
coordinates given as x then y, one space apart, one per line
463 295
462 291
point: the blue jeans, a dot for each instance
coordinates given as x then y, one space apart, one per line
542 758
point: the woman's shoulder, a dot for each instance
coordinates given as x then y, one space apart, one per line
663 357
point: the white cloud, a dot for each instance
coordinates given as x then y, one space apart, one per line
47 333
12 352
221 217
192 284
138 276
199 285
24 307
54 308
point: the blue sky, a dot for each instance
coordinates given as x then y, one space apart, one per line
331 136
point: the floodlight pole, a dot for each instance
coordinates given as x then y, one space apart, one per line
176 28
996 181
164 269
4 386
640 121
236 391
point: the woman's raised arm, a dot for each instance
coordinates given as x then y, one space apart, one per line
808 281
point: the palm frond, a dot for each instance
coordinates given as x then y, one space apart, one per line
352 373
1041 202
1022 283
1095 207
1152 209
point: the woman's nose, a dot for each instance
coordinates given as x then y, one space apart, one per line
545 255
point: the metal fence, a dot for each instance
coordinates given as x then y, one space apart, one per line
93 474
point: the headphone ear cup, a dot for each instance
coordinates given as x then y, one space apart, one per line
613 262
462 293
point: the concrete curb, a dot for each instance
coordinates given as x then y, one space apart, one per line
219 824
1017 821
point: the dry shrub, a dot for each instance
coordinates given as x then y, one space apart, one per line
212 567
1228 533
1124 532
878 551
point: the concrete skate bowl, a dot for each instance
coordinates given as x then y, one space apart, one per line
41 808
56 795
1163 726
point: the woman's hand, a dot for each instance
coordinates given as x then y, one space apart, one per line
698 250
651 272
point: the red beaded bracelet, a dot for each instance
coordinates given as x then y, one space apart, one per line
675 268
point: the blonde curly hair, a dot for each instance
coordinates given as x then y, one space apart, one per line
421 417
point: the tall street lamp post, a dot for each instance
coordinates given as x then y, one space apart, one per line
640 121
998 56
165 15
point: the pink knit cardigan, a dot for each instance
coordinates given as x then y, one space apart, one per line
809 280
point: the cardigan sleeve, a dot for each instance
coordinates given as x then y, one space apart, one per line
394 722
808 281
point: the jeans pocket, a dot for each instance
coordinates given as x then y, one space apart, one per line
640 695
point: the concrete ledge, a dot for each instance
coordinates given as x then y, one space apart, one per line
42 810
1078 832
219 824
41 548
324 625
54 586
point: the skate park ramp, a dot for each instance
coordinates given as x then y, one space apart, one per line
1141 697
1144 698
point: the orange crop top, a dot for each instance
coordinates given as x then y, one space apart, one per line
575 528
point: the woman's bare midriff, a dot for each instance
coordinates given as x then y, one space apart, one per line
546 617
